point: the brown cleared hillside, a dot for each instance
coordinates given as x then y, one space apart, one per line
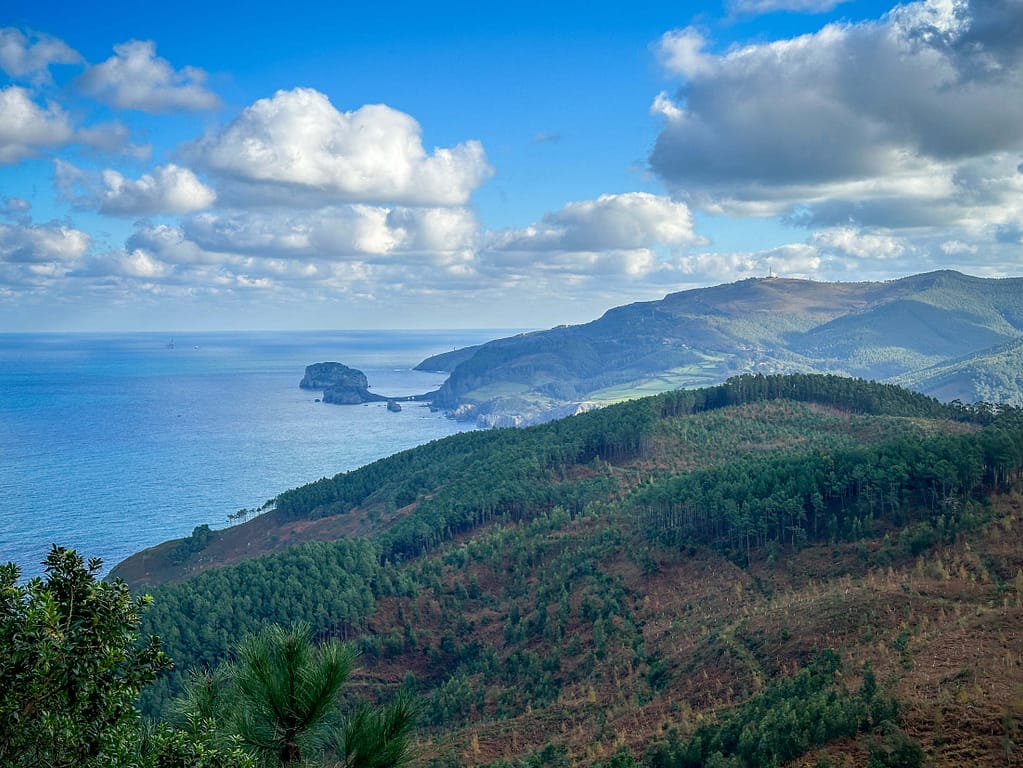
942 633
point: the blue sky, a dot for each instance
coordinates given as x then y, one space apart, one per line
408 165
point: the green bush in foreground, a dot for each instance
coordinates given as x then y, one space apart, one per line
72 667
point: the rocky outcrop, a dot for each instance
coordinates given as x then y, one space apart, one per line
343 395
341 385
326 375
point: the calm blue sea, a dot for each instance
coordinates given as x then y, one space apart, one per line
113 443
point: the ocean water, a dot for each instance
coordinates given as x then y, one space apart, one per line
113 443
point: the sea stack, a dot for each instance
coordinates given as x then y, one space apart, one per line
341 385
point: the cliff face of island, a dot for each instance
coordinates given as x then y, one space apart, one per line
340 384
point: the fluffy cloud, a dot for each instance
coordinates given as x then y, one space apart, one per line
33 255
21 57
170 245
37 244
846 254
615 236
341 233
851 254
136 78
681 52
25 127
169 189
791 260
609 223
606 244
308 257
112 138
847 119
524 267
859 245
296 147
955 247
135 265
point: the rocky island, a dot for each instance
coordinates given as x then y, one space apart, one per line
340 384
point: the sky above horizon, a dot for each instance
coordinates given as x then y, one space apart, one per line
408 165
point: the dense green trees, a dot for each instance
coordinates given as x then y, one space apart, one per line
331 586
790 717
71 667
788 498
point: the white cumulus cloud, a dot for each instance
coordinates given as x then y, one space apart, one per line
615 238
41 243
169 245
956 247
791 260
136 78
112 138
681 52
26 128
139 264
339 233
34 255
168 189
626 221
23 56
860 245
297 147
14 207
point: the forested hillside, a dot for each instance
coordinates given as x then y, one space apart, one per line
991 375
775 569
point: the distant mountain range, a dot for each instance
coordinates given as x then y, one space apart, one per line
941 333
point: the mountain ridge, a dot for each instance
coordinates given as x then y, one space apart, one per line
874 330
